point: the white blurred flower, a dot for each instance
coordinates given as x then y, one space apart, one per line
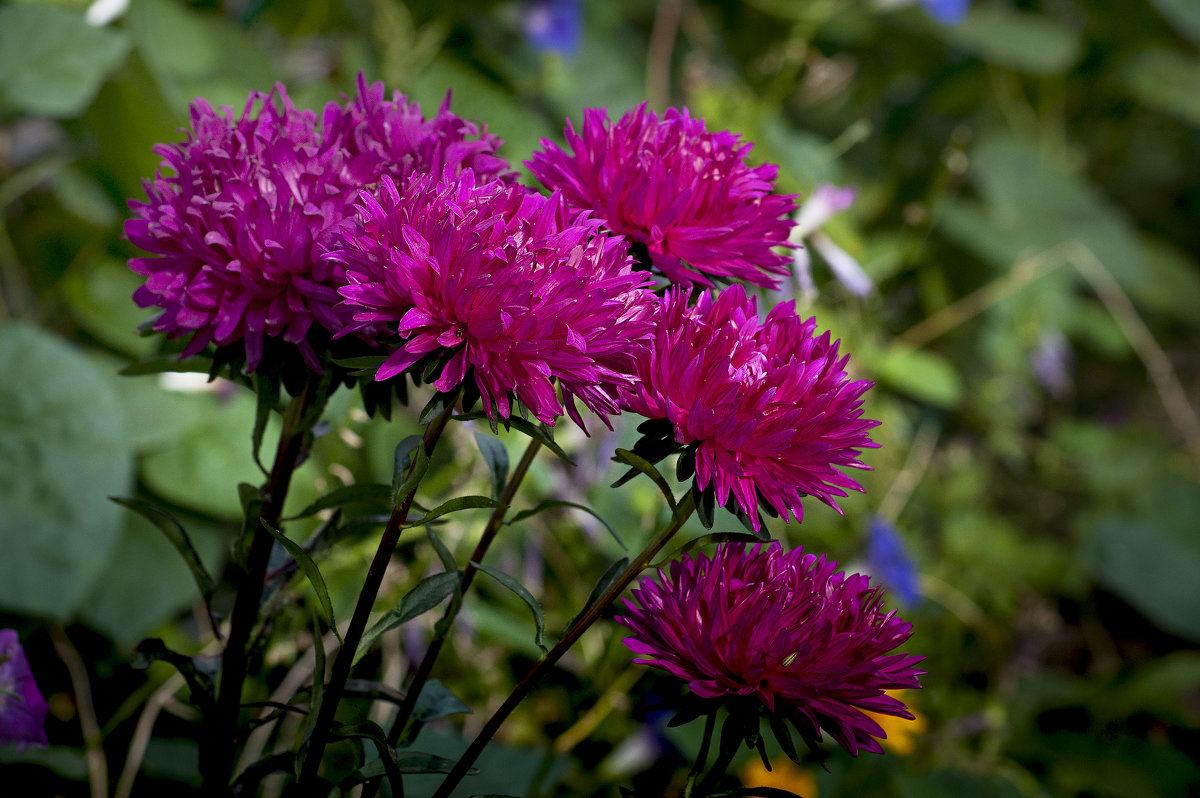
826 201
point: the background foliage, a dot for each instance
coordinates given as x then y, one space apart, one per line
1027 210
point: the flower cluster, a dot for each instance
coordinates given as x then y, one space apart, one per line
685 194
234 231
22 708
768 405
523 290
810 643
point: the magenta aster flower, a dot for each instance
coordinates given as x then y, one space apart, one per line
234 230
512 285
684 193
766 406
22 708
810 643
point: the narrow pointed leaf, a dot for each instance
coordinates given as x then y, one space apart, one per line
370 492
496 456
405 472
178 537
539 617
443 552
646 467
318 690
454 505
266 390
428 593
705 540
437 701
311 571
606 579
199 681
550 503
537 432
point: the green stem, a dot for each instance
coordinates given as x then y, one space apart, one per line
682 512
219 745
442 630
362 612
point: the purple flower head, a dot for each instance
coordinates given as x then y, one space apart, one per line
22 708
889 563
766 405
522 290
553 25
234 231
671 186
810 643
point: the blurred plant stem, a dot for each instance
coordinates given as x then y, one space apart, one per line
683 511
219 746
311 757
93 741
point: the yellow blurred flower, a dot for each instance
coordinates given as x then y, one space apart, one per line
902 733
784 775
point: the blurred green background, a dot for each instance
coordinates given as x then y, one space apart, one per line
1028 211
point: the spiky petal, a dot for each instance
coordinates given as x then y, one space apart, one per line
686 193
768 404
788 628
523 291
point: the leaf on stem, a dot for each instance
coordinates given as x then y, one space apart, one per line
454 505
705 540
408 466
639 463
370 492
496 456
549 503
443 552
311 571
178 536
437 701
266 389
199 681
539 617
606 579
428 593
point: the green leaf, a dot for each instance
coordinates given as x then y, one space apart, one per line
1026 42
606 579
639 463
1151 567
387 755
409 464
366 492
52 62
454 505
178 537
550 503
318 691
539 618
443 553
538 432
1166 81
921 375
63 451
497 459
437 701
266 390
1184 15
311 571
146 583
199 679
707 540
429 592
97 296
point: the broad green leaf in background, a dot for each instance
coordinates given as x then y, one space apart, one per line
1166 80
63 451
52 62
99 298
1184 15
920 374
1026 42
1152 567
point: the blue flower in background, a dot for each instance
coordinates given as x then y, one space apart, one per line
889 563
948 12
554 25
